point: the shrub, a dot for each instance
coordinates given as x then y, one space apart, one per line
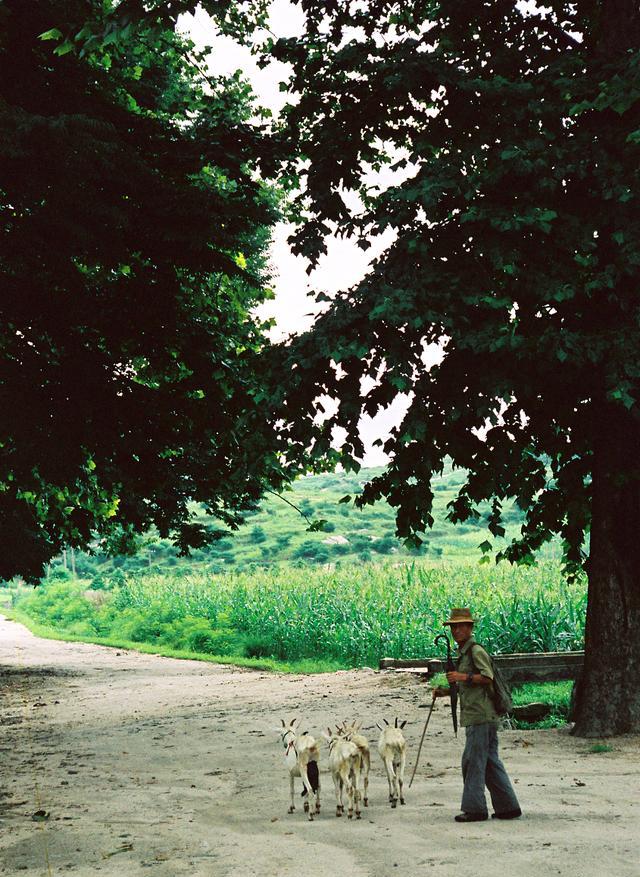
258 535
315 551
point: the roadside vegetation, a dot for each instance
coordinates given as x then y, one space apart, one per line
351 616
279 597
303 621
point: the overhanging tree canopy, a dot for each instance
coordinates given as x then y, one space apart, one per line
517 248
134 229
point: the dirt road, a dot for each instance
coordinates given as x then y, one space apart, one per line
151 766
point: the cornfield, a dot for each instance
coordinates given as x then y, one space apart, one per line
356 615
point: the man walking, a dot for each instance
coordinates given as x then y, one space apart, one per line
480 762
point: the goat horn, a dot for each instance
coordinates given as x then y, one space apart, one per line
385 721
283 723
396 724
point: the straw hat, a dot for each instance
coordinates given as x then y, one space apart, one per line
460 616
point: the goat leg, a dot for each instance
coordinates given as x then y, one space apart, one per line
307 785
293 806
366 763
400 775
391 777
338 787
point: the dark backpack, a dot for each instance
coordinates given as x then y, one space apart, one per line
502 702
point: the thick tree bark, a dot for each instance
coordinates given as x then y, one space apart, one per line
608 696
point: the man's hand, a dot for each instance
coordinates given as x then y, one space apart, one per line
454 676
440 692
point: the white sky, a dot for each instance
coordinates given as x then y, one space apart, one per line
345 264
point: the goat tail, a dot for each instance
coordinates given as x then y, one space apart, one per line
314 775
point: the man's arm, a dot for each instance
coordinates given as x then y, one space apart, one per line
470 678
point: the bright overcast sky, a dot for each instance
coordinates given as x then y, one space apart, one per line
345 264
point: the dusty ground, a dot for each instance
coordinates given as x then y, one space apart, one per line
151 766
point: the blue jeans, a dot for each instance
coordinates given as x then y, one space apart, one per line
482 767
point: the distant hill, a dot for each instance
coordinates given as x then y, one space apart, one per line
277 533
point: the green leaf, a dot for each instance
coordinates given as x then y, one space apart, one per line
53 34
64 49
318 526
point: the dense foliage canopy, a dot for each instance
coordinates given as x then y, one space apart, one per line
134 228
516 140
514 130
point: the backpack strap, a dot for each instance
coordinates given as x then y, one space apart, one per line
493 666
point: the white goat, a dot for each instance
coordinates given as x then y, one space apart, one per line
352 732
345 763
392 748
301 754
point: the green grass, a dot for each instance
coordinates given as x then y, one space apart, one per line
349 617
556 694
295 667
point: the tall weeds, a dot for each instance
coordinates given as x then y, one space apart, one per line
351 615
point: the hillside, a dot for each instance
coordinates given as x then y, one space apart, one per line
276 533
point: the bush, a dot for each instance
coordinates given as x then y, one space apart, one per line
258 647
58 604
385 545
314 551
199 636
60 574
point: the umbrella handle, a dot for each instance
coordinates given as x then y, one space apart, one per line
453 688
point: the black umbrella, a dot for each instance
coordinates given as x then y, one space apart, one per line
453 688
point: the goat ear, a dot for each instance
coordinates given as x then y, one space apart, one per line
403 724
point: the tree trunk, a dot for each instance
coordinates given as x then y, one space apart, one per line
608 695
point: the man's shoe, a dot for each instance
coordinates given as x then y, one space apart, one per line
471 817
508 814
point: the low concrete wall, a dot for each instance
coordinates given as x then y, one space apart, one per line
542 667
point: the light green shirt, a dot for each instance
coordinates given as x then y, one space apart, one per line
476 704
